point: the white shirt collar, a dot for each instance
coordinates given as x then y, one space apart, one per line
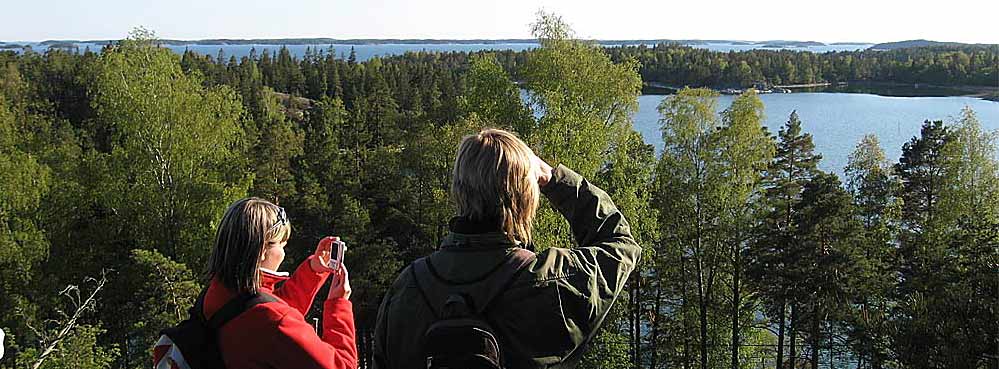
274 272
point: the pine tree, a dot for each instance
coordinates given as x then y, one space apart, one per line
772 257
874 188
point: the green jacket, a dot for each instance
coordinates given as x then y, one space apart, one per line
551 310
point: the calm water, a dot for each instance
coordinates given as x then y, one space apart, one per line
837 121
365 52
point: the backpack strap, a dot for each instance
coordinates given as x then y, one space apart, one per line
231 309
487 288
506 276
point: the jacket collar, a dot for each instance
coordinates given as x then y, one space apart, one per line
270 278
473 235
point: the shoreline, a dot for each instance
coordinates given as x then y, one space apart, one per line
889 89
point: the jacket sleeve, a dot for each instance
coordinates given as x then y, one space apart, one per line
299 290
300 347
591 276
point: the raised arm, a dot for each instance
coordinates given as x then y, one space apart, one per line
299 290
592 274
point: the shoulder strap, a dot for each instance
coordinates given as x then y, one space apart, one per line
506 276
234 307
486 291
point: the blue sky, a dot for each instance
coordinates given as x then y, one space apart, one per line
825 21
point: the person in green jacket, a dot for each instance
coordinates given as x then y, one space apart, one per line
554 304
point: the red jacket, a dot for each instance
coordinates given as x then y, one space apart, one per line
276 335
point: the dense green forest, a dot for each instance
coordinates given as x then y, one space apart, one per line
942 65
115 167
678 66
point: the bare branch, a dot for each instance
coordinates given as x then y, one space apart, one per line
70 324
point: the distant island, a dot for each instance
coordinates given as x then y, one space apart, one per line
771 44
922 43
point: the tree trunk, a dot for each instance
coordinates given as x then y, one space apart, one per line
832 351
780 336
816 339
636 322
793 353
654 339
704 335
736 304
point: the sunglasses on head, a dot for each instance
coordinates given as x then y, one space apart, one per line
282 219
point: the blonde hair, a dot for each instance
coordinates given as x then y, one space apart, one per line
248 224
492 179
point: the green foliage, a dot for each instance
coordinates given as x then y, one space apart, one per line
874 188
80 350
585 98
163 291
24 181
173 150
131 155
948 247
274 150
773 264
494 98
707 181
971 167
677 65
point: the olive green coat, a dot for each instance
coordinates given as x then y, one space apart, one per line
550 311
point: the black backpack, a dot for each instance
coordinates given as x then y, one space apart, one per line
462 337
193 344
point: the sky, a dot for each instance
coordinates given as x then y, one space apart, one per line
972 21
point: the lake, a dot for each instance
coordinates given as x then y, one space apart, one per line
837 121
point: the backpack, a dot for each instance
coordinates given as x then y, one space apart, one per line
192 344
462 337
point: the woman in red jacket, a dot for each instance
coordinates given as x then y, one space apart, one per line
249 248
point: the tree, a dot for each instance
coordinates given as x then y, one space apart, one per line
586 102
274 150
583 95
746 151
923 174
24 181
874 188
825 256
163 292
493 97
65 342
176 162
691 190
176 144
949 174
772 255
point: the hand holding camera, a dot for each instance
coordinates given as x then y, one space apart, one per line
329 255
329 258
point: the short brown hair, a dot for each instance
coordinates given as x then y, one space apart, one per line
239 242
492 181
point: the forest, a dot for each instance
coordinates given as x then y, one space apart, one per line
679 66
116 166
937 65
